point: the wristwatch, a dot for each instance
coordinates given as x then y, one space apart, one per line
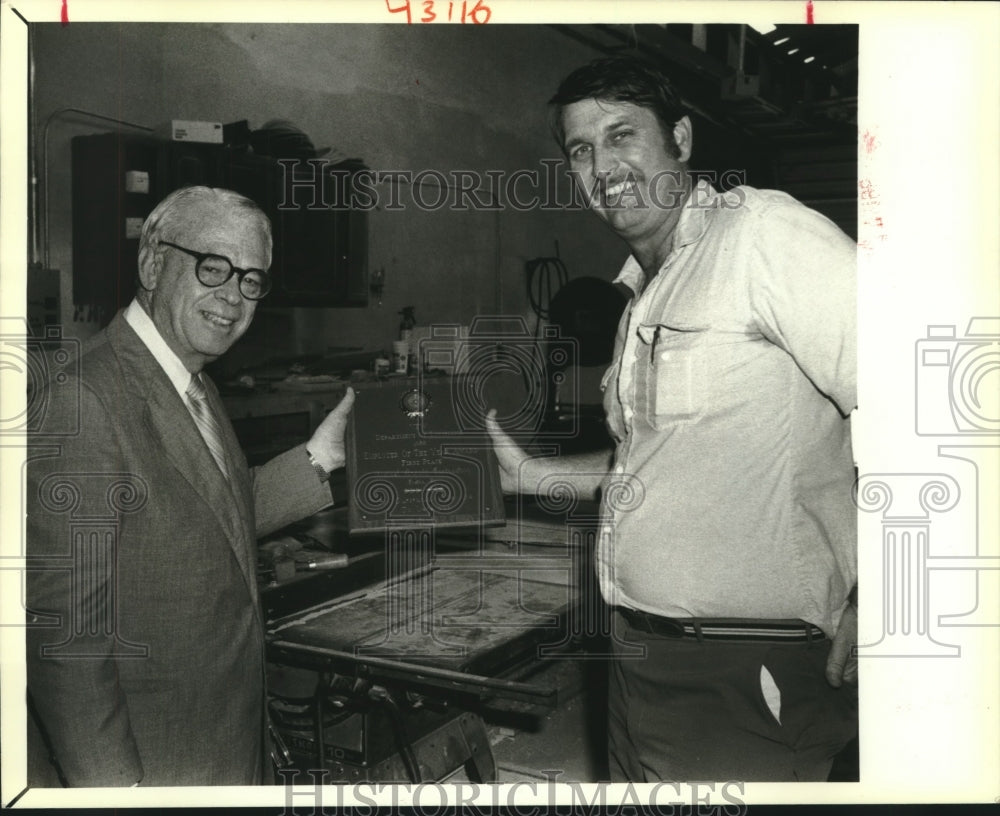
321 472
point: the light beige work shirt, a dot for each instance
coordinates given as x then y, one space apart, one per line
733 376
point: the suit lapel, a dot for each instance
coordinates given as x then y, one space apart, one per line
171 427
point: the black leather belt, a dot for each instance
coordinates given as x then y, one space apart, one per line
731 629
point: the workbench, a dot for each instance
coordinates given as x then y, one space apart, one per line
429 653
428 650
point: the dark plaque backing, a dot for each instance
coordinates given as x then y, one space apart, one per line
412 459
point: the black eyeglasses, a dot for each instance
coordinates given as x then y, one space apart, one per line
215 270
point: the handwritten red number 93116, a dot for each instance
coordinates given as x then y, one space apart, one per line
444 11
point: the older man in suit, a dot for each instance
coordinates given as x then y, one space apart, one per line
146 657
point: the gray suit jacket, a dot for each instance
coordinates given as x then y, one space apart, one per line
145 639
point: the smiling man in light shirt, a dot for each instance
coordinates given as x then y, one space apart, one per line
154 672
727 546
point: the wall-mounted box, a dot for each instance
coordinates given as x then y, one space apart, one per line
187 130
136 181
133 228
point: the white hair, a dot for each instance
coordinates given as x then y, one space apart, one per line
174 210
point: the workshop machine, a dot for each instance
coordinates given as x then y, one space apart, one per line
385 668
424 602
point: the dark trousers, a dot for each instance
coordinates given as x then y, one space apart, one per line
693 710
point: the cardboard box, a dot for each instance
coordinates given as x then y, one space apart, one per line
185 130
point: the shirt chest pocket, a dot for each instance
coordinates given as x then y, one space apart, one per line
612 406
674 373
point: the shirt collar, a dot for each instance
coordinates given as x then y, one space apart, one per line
690 227
143 325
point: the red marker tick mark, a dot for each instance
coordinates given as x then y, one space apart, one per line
809 13
64 16
868 141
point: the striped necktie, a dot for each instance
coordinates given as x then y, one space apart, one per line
205 419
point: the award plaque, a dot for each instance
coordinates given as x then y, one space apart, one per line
415 457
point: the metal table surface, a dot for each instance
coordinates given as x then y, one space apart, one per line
410 658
